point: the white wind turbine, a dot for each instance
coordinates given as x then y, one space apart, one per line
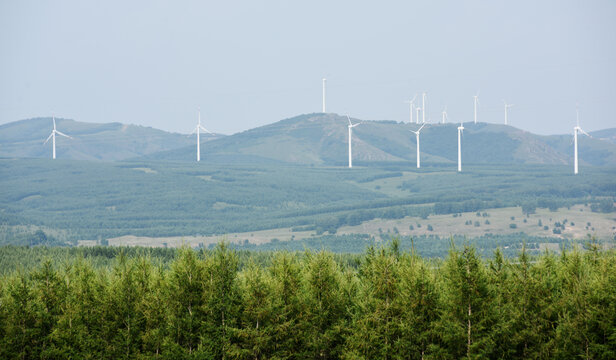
460 129
445 114
411 106
417 135
52 136
197 130
351 126
417 117
577 129
324 80
507 106
423 107
476 101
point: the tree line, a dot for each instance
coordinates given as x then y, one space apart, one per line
390 304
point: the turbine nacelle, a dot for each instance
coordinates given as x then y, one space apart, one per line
418 130
351 125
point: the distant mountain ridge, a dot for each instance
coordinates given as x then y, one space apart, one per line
318 138
322 139
91 141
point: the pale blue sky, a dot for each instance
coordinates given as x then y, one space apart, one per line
250 63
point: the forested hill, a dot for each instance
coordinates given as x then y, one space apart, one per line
307 139
108 142
323 139
605 134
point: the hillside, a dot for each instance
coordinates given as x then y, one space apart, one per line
322 139
108 142
605 134
92 200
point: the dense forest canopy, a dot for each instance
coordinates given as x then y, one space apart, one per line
384 304
81 200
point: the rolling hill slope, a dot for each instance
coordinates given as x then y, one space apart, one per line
319 139
108 142
322 139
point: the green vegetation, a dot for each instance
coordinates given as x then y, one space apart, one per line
80 200
385 304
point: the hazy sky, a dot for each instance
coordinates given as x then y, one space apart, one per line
250 63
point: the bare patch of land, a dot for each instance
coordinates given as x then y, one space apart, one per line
254 237
578 222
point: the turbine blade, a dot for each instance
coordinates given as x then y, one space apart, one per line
348 118
50 135
59 133
206 130
584 132
421 127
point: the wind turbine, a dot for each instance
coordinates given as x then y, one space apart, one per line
423 107
577 129
507 106
351 126
445 114
417 117
324 80
411 106
197 130
52 136
417 135
460 129
476 98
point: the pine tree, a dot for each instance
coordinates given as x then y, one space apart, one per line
252 337
185 305
375 327
152 306
22 333
125 324
467 317
501 283
418 305
325 307
79 328
288 310
50 291
220 301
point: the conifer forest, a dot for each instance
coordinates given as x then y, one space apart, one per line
383 304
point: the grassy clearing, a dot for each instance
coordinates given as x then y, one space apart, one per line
576 228
499 222
253 237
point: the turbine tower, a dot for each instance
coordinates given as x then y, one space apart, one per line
577 129
445 114
197 130
423 107
324 80
351 126
52 136
507 106
460 129
476 101
417 135
411 106
418 109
